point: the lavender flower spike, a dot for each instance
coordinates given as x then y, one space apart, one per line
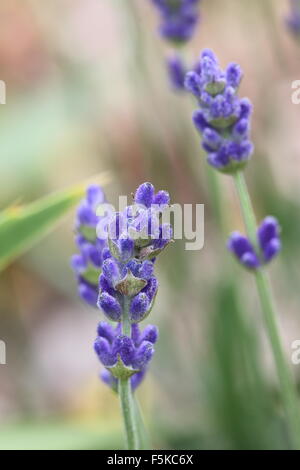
87 264
223 119
268 242
116 273
178 19
127 284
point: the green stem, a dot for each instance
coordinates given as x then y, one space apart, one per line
125 394
246 206
288 389
216 198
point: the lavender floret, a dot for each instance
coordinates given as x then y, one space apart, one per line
176 71
268 242
135 352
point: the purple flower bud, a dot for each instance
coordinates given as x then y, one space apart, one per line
106 331
110 306
78 263
241 128
268 235
208 53
88 293
272 249
104 352
135 333
134 266
111 271
123 346
126 248
220 159
162 198
243 250
106 253
268 238
249 260
151 288
210 68
246 108
144 194
211 139
86 215
143 355
192 83
199 120
95 195
146 270
138 307
95 255
233 75
150 334
268 229
176 72
105 286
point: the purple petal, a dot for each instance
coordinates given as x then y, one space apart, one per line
271 249
162 198
104 352
111 271
124 347
88 293
143 355
144 194
268 229
105 330
110 306
150 333
139 306
151 288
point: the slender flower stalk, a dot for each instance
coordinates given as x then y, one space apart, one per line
289 393
127 247
223 120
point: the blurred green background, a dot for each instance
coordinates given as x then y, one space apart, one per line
87 92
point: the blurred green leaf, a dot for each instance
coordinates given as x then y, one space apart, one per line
59 435
21 227
244 406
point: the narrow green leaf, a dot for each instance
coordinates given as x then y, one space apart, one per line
21 227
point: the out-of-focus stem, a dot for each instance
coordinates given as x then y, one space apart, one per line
288 389
215 195
144 439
